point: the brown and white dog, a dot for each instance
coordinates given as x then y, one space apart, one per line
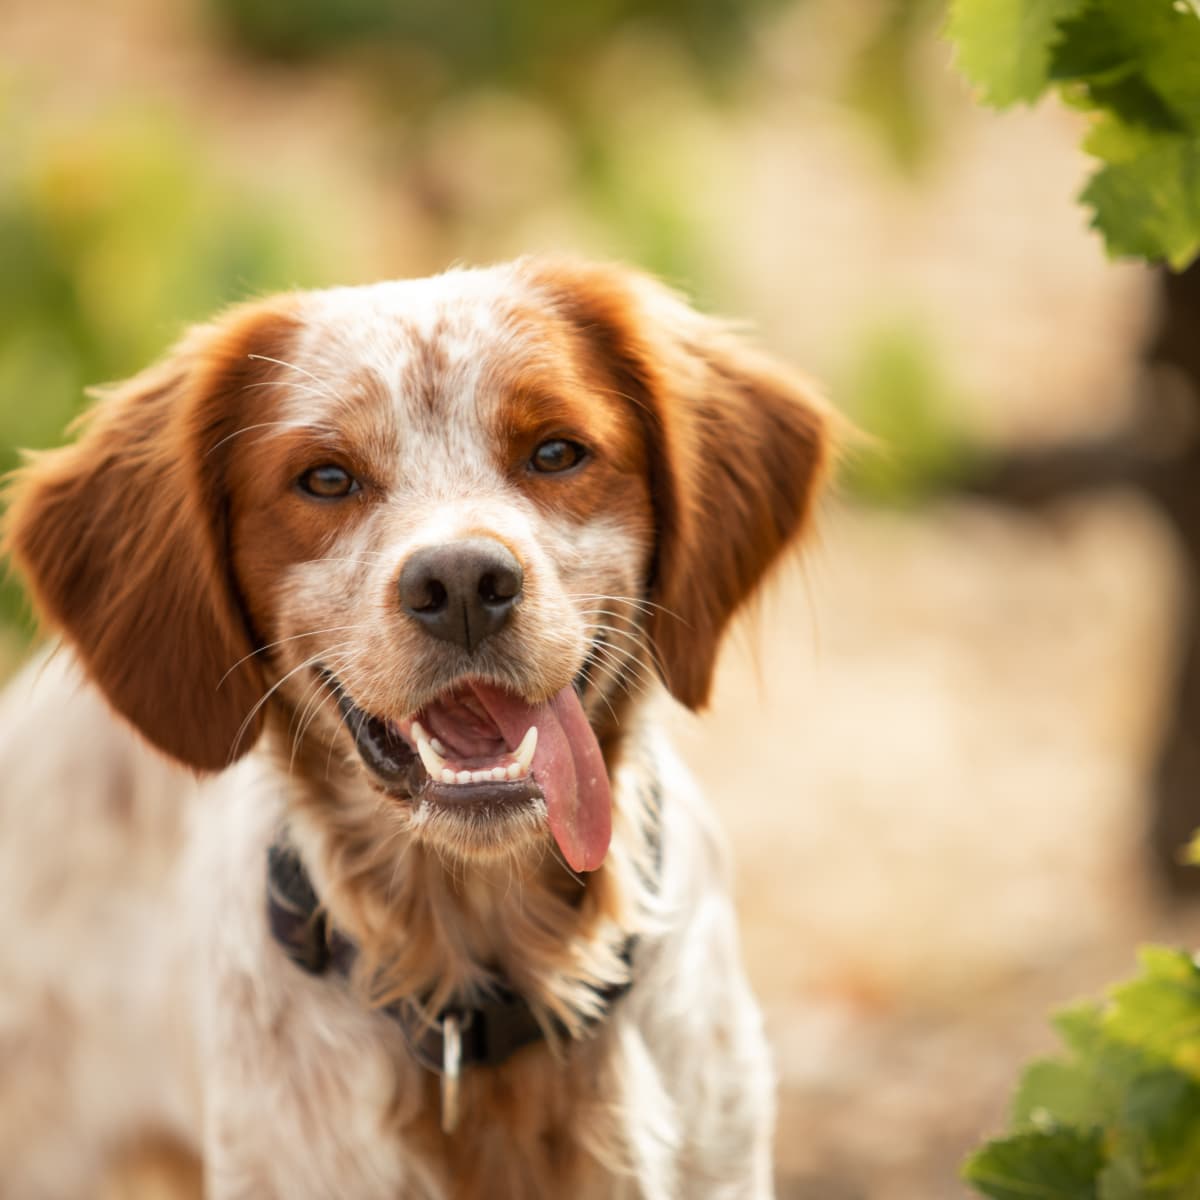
386 885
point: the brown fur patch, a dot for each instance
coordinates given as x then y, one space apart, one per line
738 449
124 540
153 1168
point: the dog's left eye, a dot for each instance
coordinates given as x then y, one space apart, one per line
328 482
558 454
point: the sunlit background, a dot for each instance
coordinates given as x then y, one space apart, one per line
939 749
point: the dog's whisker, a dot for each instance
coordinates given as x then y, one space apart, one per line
246 722
636 645
295 637
305 389
616 682
318 697
280 362
624 670
245 429
600 644
638 602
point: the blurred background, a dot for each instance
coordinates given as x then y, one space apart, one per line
970 768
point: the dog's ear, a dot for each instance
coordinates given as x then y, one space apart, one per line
123 540
737 446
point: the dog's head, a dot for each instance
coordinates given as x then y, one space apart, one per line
447 527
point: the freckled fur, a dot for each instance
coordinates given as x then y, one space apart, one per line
196 587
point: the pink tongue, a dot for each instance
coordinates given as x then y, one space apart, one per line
567 766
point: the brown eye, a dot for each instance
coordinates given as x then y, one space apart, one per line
328 482
558 454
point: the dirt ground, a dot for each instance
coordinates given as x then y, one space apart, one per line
930 754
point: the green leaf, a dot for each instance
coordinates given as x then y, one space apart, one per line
1160 1011
1086 1090
1081 1026
1153 44
1148 204
1118 1117
1090 47
1156 1151
1053 1091
1134 65
1004 46
1122 1179
1058 1164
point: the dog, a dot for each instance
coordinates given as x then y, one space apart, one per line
340 844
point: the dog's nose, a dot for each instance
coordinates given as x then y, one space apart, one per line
462 591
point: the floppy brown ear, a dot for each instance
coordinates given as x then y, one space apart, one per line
123 540
738 446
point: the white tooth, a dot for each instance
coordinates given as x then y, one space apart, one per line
513 771
437 746
434 763
464 777
448 776
523 756
499 773
480 776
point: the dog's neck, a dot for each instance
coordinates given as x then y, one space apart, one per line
441 929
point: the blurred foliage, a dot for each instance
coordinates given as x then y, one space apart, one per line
538 44
887 80
899 397
113 235
1135 68
1118 1116
420 57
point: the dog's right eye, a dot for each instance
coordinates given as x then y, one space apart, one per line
328 482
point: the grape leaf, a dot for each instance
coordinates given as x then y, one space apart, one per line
1057 1164
1085 1090
1156 1148
1160 1011
1154 43
1053 1090
1004 46
1118 1116
1136 68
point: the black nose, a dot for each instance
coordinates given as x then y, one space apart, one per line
462 591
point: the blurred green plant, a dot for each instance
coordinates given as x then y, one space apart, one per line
1134 67
887 81
898 395
528 44
1118 1116
419 57
114 235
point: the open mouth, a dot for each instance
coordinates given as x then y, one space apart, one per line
479 747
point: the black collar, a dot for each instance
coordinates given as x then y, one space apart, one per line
491 1031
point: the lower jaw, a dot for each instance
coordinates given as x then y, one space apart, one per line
471 820
480 797
479 828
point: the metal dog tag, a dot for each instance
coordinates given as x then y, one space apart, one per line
451 1065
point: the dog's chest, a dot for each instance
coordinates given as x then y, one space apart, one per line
528 1129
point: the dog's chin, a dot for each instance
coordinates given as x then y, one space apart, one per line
481 832
468 822
470 818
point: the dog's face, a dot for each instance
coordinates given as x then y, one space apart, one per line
443 530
